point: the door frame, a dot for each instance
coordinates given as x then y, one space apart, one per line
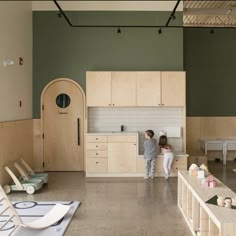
42 114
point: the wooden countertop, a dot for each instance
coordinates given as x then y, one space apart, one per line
113 133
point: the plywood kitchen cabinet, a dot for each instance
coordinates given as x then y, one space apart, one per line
111 154
135 88
149 88
173 88
98 88
122 157
123 88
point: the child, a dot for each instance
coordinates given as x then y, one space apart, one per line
167 150
150 154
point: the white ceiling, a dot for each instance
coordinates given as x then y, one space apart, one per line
107 5
195 13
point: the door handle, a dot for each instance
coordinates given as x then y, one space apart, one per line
78 131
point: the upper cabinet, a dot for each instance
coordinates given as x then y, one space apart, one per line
123 88
149 88
98 88
173 88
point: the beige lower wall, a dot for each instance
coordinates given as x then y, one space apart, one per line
16 141
23 139
209 127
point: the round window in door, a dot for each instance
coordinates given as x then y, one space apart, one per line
63 100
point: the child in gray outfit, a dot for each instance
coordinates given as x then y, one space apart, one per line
150 154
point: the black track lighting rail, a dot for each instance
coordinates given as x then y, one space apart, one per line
172 16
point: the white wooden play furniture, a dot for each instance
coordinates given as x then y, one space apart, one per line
27 177
52 217
31 173
30 186
208 219
223 145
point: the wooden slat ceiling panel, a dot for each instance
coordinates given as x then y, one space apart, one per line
210 13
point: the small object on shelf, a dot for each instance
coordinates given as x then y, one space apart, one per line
228 202
211 184
201 174
233 201
210 177
193 170
221 203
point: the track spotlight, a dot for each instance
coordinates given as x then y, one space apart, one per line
160 31
119 31
212 32
173 17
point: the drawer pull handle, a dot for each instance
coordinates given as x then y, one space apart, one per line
96 162
96 138
96 146
96 153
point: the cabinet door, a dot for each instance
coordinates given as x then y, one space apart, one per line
124 88
98 88
148 88
122 157
173 88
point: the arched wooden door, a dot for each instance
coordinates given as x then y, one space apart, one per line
63 107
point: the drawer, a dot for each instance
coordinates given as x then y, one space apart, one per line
96 165
122 139
96 146
176 168
180 160
97 153
96 139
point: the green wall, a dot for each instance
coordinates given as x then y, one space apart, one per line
61 51
210 62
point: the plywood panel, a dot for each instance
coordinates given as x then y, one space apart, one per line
96 146
122 139
124 88
96 139
98 88
16 141
173 88
96 165
97 153
122 157
148 88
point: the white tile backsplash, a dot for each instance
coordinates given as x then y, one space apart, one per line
108 119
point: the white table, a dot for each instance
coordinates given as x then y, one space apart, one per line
223 145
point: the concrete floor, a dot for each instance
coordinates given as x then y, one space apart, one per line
122 207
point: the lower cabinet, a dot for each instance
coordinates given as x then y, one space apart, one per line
179 163
122 157
116 155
